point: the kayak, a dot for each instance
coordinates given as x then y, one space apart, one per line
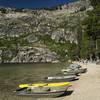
42 91
46 84
60 78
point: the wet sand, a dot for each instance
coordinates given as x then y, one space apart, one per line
86 88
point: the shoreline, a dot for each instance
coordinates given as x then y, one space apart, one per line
87 87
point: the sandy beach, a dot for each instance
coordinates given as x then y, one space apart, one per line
86 88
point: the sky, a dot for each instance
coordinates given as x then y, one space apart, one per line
32 3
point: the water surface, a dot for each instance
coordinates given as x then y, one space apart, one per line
11 75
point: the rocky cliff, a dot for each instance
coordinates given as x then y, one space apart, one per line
28 35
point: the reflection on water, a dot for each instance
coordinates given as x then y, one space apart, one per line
13 74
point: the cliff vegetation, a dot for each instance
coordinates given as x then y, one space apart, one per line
49 35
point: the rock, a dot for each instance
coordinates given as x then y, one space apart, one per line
32 38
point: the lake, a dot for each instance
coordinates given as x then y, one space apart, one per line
11 75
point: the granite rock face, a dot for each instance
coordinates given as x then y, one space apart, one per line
30 54
60 25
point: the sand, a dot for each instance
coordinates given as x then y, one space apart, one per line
86 88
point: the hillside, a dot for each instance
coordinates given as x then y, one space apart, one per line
42 35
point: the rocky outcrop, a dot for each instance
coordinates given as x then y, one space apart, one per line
29 54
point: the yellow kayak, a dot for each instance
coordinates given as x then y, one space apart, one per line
59 84
46 84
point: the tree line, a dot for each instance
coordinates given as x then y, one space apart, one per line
90 43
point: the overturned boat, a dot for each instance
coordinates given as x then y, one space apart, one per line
43 89
69 72
62 78
76 71
74 68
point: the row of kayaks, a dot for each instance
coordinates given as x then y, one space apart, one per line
55 85
70 73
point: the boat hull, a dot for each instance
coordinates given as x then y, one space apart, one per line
43 91
62 78
76 71
50 94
